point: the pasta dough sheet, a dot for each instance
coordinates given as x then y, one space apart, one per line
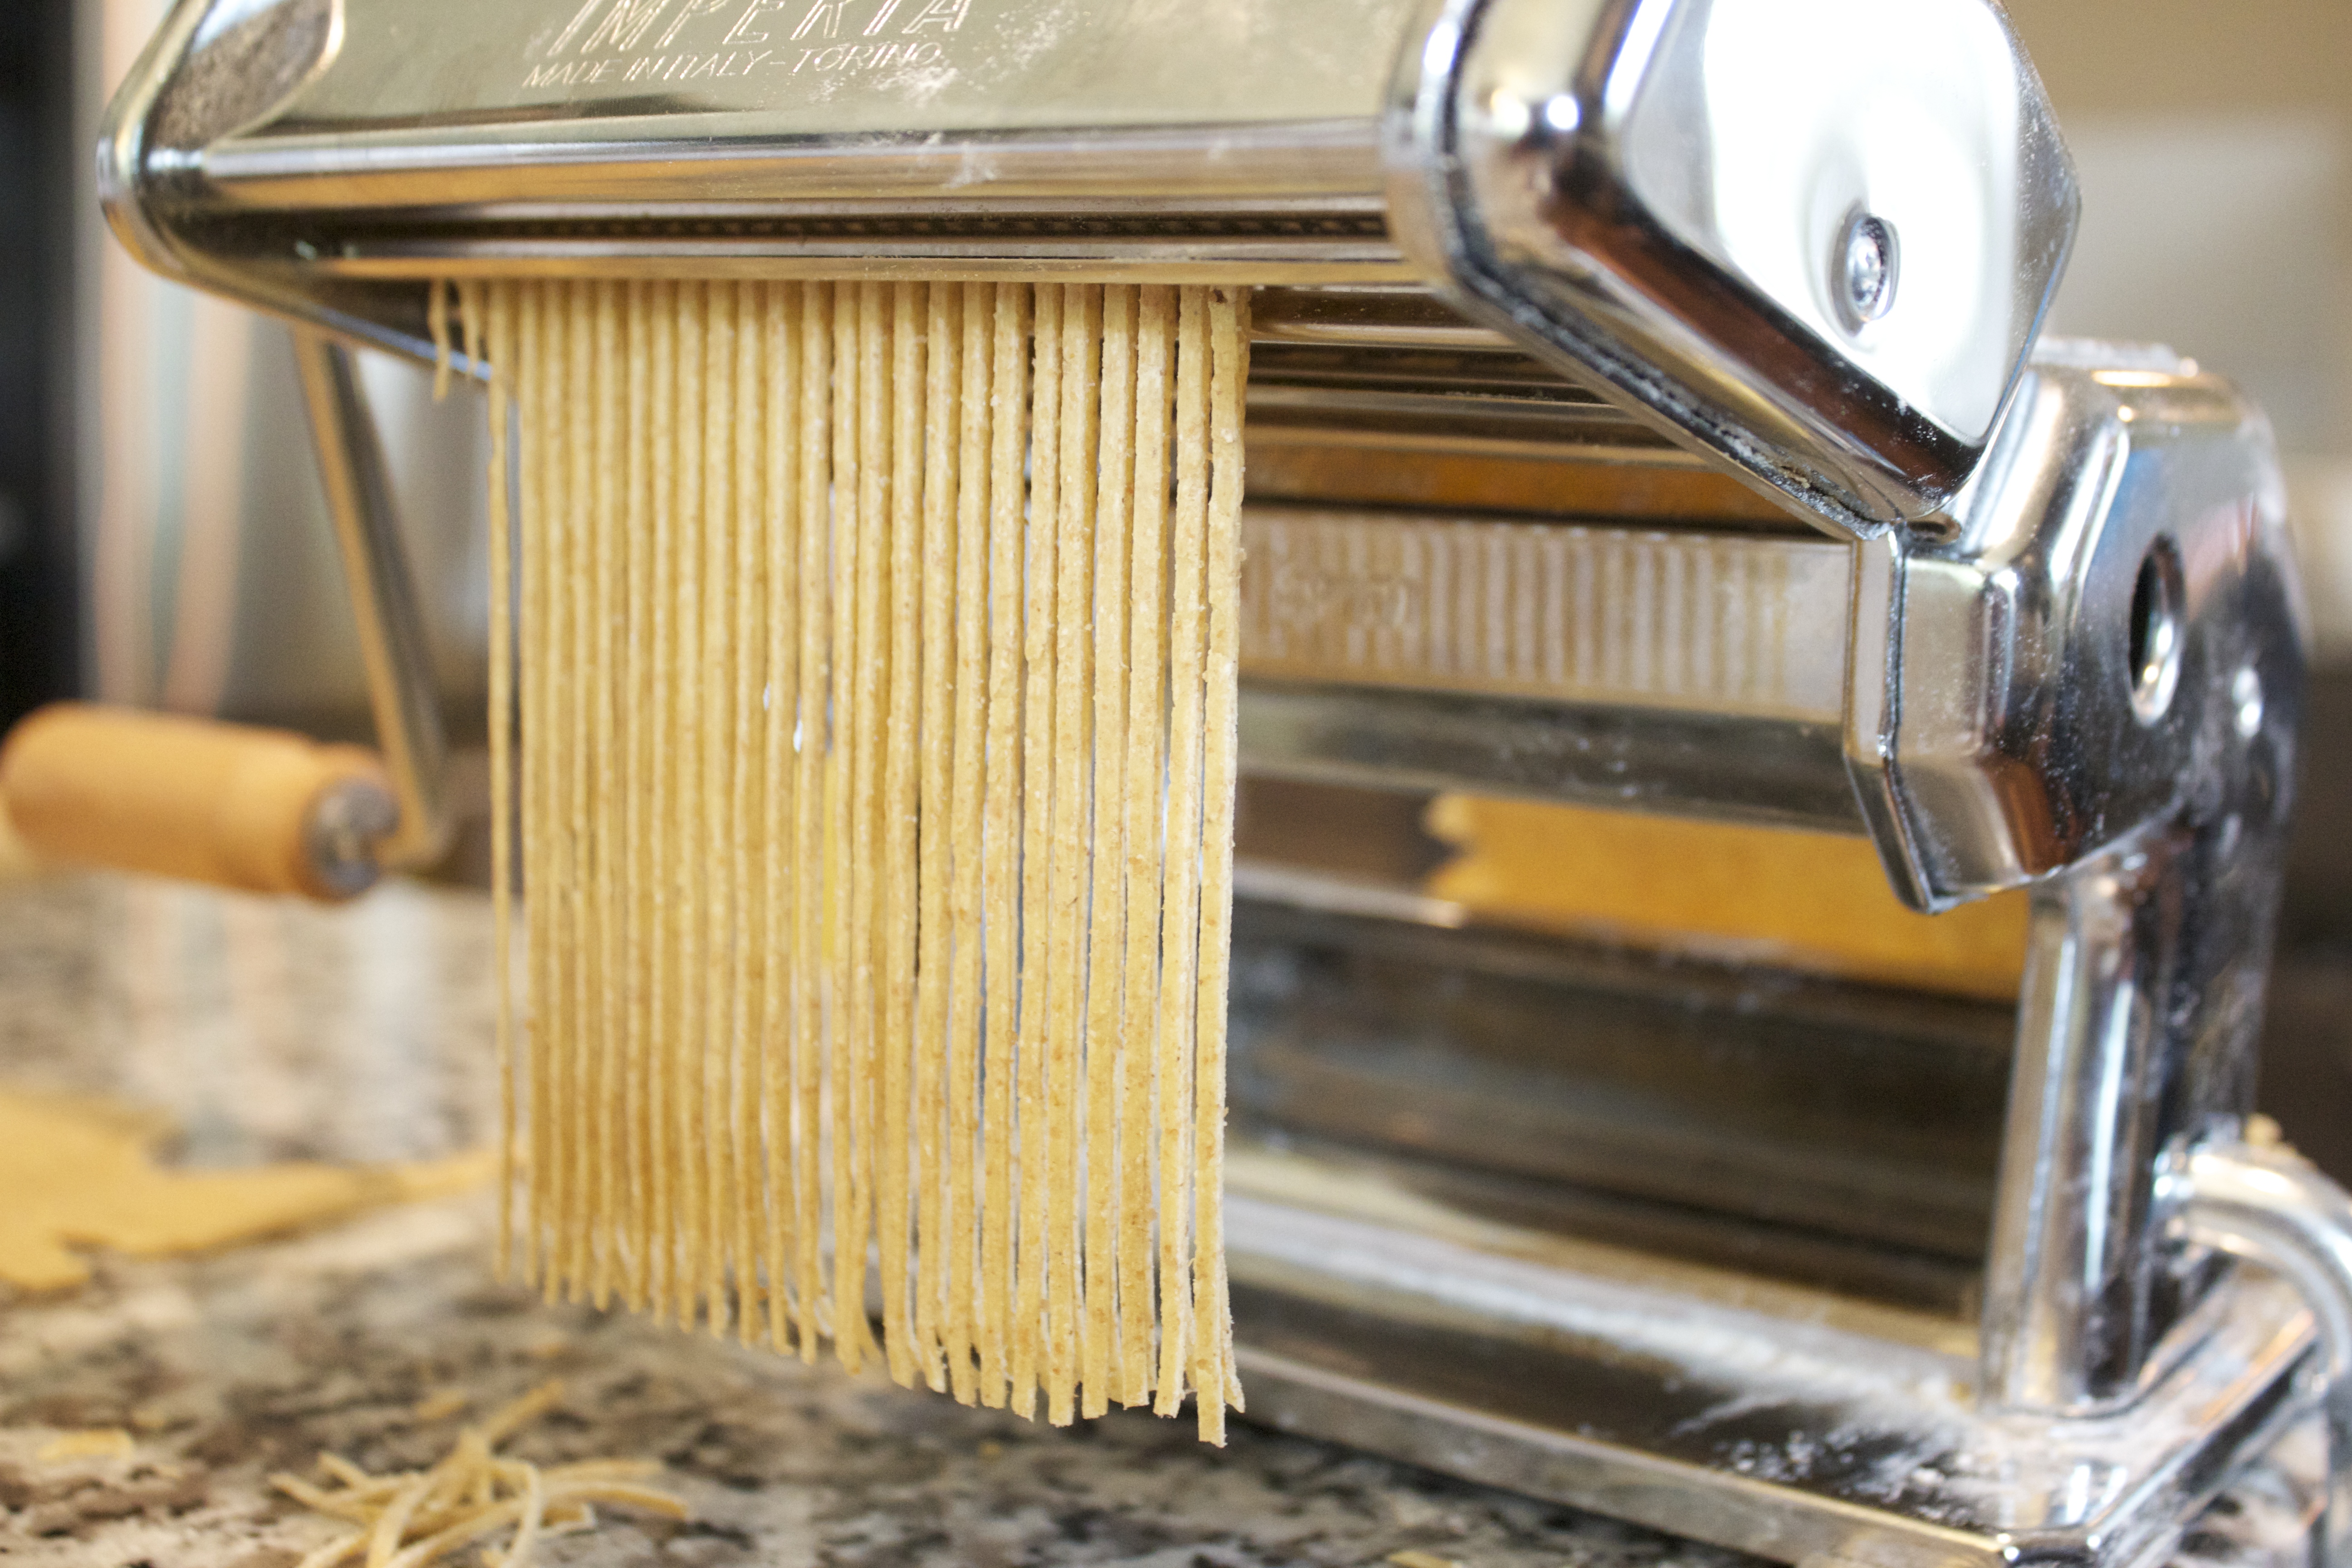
877 702
1736 894
78 1175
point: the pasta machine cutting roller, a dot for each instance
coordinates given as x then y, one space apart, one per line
1648 413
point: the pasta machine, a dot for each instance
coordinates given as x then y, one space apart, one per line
1649 412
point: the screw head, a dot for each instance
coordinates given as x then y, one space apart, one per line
1868 267
2246 703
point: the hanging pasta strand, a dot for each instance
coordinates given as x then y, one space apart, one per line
1000 845
874 680
1143 780
1214 1382
1107 869
635 740
934 1324
960 1241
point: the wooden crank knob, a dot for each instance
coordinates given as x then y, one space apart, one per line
263 810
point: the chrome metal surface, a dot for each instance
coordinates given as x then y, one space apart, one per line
2271 1206
317 157
1994 687
1667 195
195 80
1768 1419
384 602
851 68
2024 748
1865 270
2079 1286
2094 688
1395 370
2274 1208
1370 316
1999 728
410 139
1770 772
1735 624
1679 671
1478 423
1797 1128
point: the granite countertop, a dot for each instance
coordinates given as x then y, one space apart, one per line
273 1030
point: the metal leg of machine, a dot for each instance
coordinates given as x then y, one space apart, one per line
391 627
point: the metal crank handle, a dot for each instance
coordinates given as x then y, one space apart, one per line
384 609
2271 1206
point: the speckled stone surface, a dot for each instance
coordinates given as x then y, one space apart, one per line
274 1030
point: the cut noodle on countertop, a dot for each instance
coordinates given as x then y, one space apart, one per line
877 657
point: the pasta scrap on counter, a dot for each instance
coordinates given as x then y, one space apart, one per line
412 1518
79 1174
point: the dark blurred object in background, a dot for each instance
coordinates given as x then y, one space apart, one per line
2306 1083
40 582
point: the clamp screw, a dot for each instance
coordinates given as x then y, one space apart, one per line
2246 700
1868 262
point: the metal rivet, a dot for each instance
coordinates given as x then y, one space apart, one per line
2246 700
1868 266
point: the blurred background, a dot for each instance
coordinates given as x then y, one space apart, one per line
162 541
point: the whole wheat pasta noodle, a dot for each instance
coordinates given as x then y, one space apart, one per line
846 722
609 473
835 724
638 739
815 367
745 1186
1074 633
1106 870
1214 1380
1107 857
876 700
720 906
567 465
437 323
865 705
961 1277
490 319
575 1025
1038 649
894 1148
1145 781
780 703
1180 908
689 867
660 819
534 664
1000 867
934 938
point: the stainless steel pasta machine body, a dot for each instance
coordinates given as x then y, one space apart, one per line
2022 620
